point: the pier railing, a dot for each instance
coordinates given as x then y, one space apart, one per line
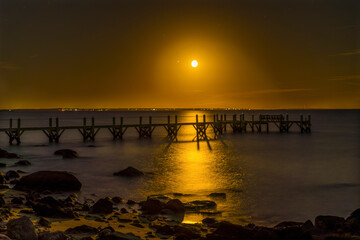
219 125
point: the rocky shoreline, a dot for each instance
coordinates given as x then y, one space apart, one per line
44 206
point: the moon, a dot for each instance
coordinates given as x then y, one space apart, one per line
194 63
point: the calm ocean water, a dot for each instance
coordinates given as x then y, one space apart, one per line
268 178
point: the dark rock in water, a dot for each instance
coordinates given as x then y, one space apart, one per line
175 205
6 154
352 223
308 226
17 200
287 224
118 236
53 236
45 210
49 180
12 175
2 165
4 237
185 233
81 229
124 210
129 172
124 220
20 171
152 206
21 229
44 222
329 223
209 221
130 202
200 205
226 230
165 230
137 225
102 206
50 207
15 181
217 195
23 163
67 153
159 197
116 200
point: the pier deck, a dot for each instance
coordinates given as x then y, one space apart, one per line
145 130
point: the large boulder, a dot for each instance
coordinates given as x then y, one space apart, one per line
82 229
49 180
129 172
152 206
102 206
12 175
67 153
175 205
50 207
329 223
23 163
53 236
352 223
21 229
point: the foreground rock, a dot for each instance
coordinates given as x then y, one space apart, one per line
4 237
129 172
23 163
21 229
53 236
6 154
49 180
329 223
102 206
67 153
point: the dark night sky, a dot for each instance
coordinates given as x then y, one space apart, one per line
137 53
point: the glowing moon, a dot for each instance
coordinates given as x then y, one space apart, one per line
194 63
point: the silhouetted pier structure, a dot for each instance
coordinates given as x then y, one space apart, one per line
218 124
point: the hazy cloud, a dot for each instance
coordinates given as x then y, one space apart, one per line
346 78
8 66
355 52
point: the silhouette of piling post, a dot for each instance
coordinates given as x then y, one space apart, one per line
117 131
14 134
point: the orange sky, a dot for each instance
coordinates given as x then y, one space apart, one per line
120 54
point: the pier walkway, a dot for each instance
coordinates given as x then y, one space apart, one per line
219 125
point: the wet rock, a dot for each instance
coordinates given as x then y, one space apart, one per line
50 207
185 233
329 223
49 180
87 238
217 195
23 163
159 197
82 229
175 205
165 230
6 154
199 205
53 236
229 231
116 200
124 220
17 200
44 222
67 153
2 165
102 206
27 211
12 175
308 226
118 236
16 181
152 206
209 221
287 224
352 223
124 210
4 237
21 229
293 233
129 172
130 202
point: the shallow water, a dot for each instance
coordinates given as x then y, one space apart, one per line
268 178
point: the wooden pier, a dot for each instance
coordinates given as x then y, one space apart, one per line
218 124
